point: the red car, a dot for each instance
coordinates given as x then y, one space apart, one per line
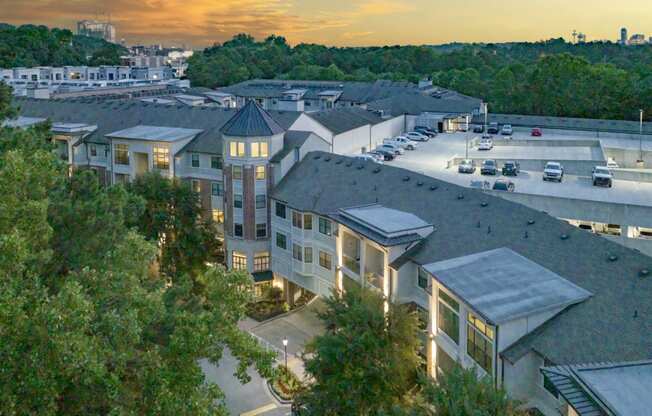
536 132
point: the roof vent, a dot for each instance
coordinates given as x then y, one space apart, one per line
526 235
564 236
406 178
530 222
484 204
612 257
327 159
376 170
460 196
360 167
316 157
338 161
348 164
644 273
419 183
433 187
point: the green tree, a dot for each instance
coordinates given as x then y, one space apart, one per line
367 360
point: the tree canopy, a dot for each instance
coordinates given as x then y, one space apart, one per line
554 77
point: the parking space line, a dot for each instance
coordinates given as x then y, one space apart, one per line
260 410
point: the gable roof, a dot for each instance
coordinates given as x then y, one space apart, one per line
251 121
469 221
415 104
339 120
291 140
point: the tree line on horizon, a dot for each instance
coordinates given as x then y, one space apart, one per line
553 77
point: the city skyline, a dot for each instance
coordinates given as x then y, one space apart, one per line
339 23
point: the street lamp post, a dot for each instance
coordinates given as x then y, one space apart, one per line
486 111
285 348
640 137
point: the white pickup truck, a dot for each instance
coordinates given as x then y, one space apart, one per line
553 171
602 176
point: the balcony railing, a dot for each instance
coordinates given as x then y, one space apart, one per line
351 263
374 279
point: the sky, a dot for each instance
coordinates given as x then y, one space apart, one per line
199 23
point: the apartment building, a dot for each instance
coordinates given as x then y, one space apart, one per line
506 289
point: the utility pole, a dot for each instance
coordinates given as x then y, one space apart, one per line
486 111
640 138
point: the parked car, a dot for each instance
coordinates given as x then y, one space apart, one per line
485 144
398 150
488 167
536 132
416 136
365 158
493 128
426 130
487 136
511 168
611 163
387 155
504 185
379 158
478 128
553 171
602 176
466 166
402 141
507 130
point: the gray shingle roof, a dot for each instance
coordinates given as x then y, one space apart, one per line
291 140
251 121
415 104
339 120
118 115
609 326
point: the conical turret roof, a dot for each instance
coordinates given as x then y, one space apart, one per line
250 121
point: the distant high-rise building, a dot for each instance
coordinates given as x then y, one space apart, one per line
637 39
623 36
97 29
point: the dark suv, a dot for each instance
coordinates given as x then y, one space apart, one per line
488 167
493 128
511 168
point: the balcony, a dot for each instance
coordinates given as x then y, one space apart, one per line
351 252
374 267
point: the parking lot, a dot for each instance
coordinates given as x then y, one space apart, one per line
434 158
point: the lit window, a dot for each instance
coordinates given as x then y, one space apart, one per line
261 201
259 149
307 254
307 221
297 219
479 344
448 317
196 185
161 158
325 260
218 216
260 173
237 173
121 152
239 261
297 252
216 162
237 201
261 261
237 230
237 149
217 189
325 226
194 160
280 210
261 230
281 241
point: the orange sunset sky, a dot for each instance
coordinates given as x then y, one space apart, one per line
200 23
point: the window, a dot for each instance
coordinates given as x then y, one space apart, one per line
325 226
260 173
325 260
239 261
217 189
445 363
196 185
237 230
297 252
479 345
261 230
280 210
297 154
448 316
261 261
216 162
259 149
281 241
218 216
237 149
237 172
297 219
237 201
93 150
307 221
161 158
194 160
261 201
122 154
307 254
422 278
